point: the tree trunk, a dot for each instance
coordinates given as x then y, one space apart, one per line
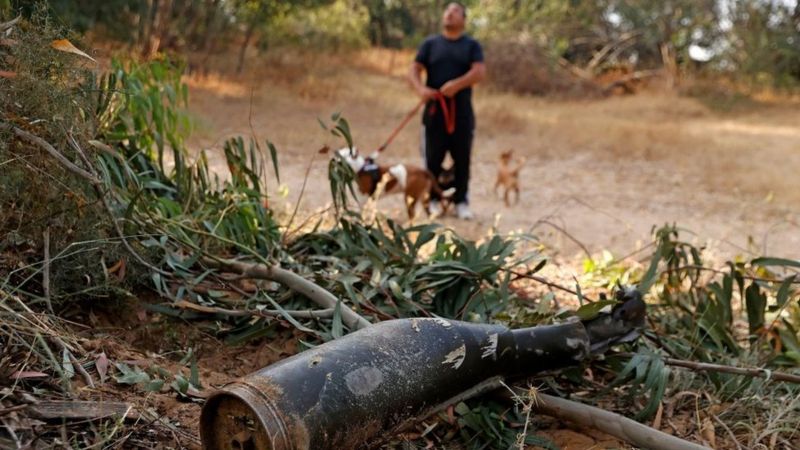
669 59
145 20
247 37
157 27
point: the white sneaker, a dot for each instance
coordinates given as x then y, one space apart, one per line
435 209
463 212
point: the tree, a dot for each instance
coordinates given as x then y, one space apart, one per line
764 42
259 15
667 28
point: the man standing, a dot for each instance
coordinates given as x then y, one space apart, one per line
453 63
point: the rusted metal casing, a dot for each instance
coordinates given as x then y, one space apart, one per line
345 393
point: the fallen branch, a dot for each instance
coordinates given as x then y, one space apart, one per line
611 423
46 271
46 146
544 281
635 76
748 371
6 25
81 410
101 195
303 314
91 176
294 282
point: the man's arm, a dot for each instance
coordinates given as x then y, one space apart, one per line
415 78
476 74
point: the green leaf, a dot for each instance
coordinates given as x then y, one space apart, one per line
650 277
591 310
785 290
756 305
770 261
153 385
291 319
66 365
273 153
130 375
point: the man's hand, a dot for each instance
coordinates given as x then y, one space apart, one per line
427 93
450 88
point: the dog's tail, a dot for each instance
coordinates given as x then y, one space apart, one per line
444 193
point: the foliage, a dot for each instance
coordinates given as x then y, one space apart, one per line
763 42
750 40
52 96
338 25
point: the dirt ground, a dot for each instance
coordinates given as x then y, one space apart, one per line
599 172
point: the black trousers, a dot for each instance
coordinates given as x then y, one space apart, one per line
436 143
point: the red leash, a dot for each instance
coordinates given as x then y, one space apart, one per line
449 111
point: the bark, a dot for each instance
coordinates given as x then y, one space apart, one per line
251 27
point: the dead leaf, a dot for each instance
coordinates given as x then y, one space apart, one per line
7 74
101 364
708 432
64 45
323 150
659 415
22 375
119 269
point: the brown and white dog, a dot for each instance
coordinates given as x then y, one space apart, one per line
508 176
414 182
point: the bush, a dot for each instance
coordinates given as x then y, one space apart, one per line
524 68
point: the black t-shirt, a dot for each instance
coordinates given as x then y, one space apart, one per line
445 60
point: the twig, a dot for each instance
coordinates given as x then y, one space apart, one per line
79 368
294 282
46 271
728 430
769 375
6 25
46 146
481 388
545 281
99 191
722 272
299 198
563 231
91 176
611 423
303 314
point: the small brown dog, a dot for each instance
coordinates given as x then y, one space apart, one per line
414 182
508 176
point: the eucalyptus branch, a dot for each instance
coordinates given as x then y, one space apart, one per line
101 195
46 146
769 375
611 423
301 314
294 282
544 281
